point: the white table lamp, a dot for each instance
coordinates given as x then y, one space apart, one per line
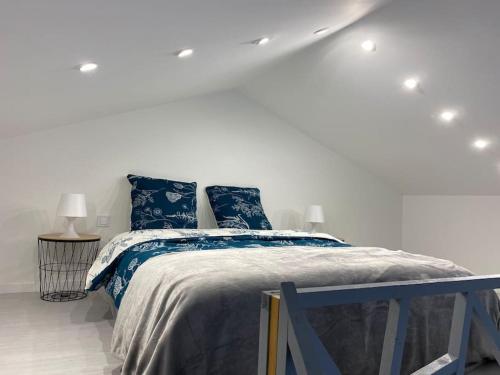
314 216
71 206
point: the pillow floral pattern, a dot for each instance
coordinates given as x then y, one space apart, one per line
162 204
237 207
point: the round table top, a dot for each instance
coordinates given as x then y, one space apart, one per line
57 237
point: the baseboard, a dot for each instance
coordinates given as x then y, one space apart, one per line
17 288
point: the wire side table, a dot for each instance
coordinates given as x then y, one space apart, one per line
63 265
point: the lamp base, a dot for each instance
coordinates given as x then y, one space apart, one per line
70 229
314 228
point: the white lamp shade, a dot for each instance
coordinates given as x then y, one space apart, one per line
314 214
72 205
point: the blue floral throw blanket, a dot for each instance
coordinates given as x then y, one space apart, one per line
119 260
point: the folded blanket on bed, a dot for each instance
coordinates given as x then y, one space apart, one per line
197 312
119 260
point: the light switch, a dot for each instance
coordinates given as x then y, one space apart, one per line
103 221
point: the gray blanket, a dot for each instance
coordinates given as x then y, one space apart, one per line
198 312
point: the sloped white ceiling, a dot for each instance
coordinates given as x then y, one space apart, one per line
354 102
42 42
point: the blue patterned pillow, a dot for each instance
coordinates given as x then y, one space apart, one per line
162 204
237 207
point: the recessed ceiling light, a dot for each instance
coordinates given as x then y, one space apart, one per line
369 45
185 53
481 143
88 67
411 83
262 41
447 116
321 31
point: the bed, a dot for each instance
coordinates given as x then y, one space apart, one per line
189 300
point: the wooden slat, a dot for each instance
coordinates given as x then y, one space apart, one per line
315 356
395 335
445 365
282 356
460 329
360 293
297 346
308 353
272 344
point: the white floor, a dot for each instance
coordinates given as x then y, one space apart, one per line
41 338
38 337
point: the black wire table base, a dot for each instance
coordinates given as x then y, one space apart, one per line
63 266
63 296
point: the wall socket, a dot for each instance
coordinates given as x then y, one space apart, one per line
103 221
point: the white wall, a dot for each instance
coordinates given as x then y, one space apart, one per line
218 139
464 229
